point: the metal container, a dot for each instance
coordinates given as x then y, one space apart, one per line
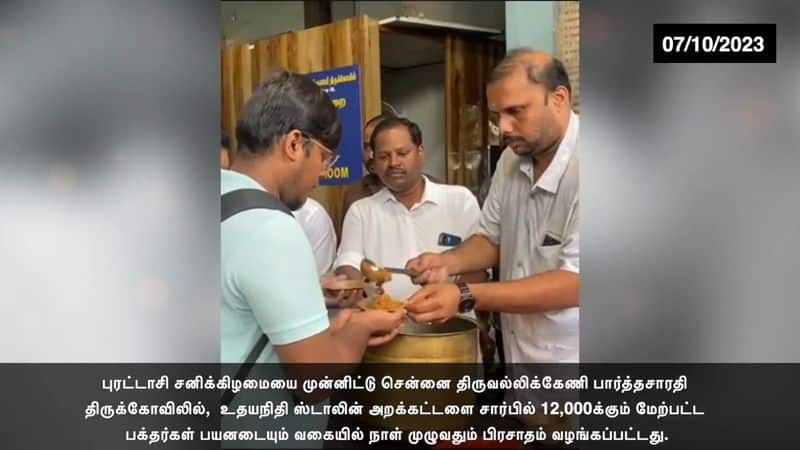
455 341
437 351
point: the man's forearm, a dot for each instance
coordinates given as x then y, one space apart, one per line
548 291
346 350
477 276
351 341
476 253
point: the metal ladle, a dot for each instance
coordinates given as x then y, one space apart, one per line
377 274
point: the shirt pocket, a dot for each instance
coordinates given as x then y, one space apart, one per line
547 257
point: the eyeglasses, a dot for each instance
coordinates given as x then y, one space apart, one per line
330 158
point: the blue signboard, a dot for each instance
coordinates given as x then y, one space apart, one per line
343 86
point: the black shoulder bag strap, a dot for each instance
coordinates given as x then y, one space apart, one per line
233 203
241 200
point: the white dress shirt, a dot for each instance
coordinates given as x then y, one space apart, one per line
519 215
382 229
318 227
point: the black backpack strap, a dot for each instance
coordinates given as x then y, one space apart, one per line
233 203
245 368
241 200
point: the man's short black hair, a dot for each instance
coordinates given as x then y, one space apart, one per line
379 118
226 141
286 101
394 122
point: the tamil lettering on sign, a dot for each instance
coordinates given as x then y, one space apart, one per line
343 86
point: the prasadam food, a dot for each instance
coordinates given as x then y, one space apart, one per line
386 302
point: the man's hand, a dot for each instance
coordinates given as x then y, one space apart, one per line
339 298
430 267
434 303
340 320
384 325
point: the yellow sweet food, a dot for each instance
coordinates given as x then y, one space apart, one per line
386 302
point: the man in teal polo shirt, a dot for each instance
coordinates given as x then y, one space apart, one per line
268 276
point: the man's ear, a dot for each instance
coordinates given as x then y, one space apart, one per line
291 145
560 97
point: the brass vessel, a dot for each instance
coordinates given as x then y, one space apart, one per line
441 351
455 341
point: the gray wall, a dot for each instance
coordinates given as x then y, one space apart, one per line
485 14
418 94
343 9
249 21
530 24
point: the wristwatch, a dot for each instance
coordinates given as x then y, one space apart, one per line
467 302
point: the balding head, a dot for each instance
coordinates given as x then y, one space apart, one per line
541 68
528 95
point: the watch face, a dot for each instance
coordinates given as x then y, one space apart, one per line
466 305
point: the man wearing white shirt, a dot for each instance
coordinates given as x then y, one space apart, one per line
408 215
529 223
318 228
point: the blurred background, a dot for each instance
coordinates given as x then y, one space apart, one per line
109 130
689 231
